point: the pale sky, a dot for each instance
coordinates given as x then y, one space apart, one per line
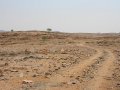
61 15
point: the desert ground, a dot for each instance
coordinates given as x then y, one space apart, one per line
35 60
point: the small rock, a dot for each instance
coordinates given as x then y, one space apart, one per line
1 73
3 78
6 64
73 82
63 82
77 78
35 75
118 84
27 81
14 70
47 73
62 51
71 76
27 71
108 78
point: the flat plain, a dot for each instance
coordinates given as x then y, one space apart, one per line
35 60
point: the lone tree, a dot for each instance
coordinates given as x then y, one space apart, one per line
12 30
49 29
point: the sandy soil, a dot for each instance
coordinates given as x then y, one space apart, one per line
59 61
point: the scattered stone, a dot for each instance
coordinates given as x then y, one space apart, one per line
1 73
14 70
62 51
73 82
77 78
47 73
71 76
118 84
6 64
27 71
6 69
108 78
63 82
63 65
35 75
27 82
3 78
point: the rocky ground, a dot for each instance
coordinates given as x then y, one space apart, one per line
59 61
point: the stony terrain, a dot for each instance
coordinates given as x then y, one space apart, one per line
59 61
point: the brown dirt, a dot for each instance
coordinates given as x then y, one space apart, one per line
59 61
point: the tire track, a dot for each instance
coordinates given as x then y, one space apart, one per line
99 82
57 79
65 75
115 75
90 74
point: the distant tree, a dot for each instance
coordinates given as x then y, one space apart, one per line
12 30
49 29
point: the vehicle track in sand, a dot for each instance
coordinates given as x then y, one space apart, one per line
101 80
64 75
91 74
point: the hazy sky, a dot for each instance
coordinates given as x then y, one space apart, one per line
61 15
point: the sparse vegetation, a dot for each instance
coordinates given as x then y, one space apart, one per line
49 29
44 38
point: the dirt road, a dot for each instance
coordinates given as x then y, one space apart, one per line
90 74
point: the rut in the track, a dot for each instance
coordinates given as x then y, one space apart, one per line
65 75
99 82
90 74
